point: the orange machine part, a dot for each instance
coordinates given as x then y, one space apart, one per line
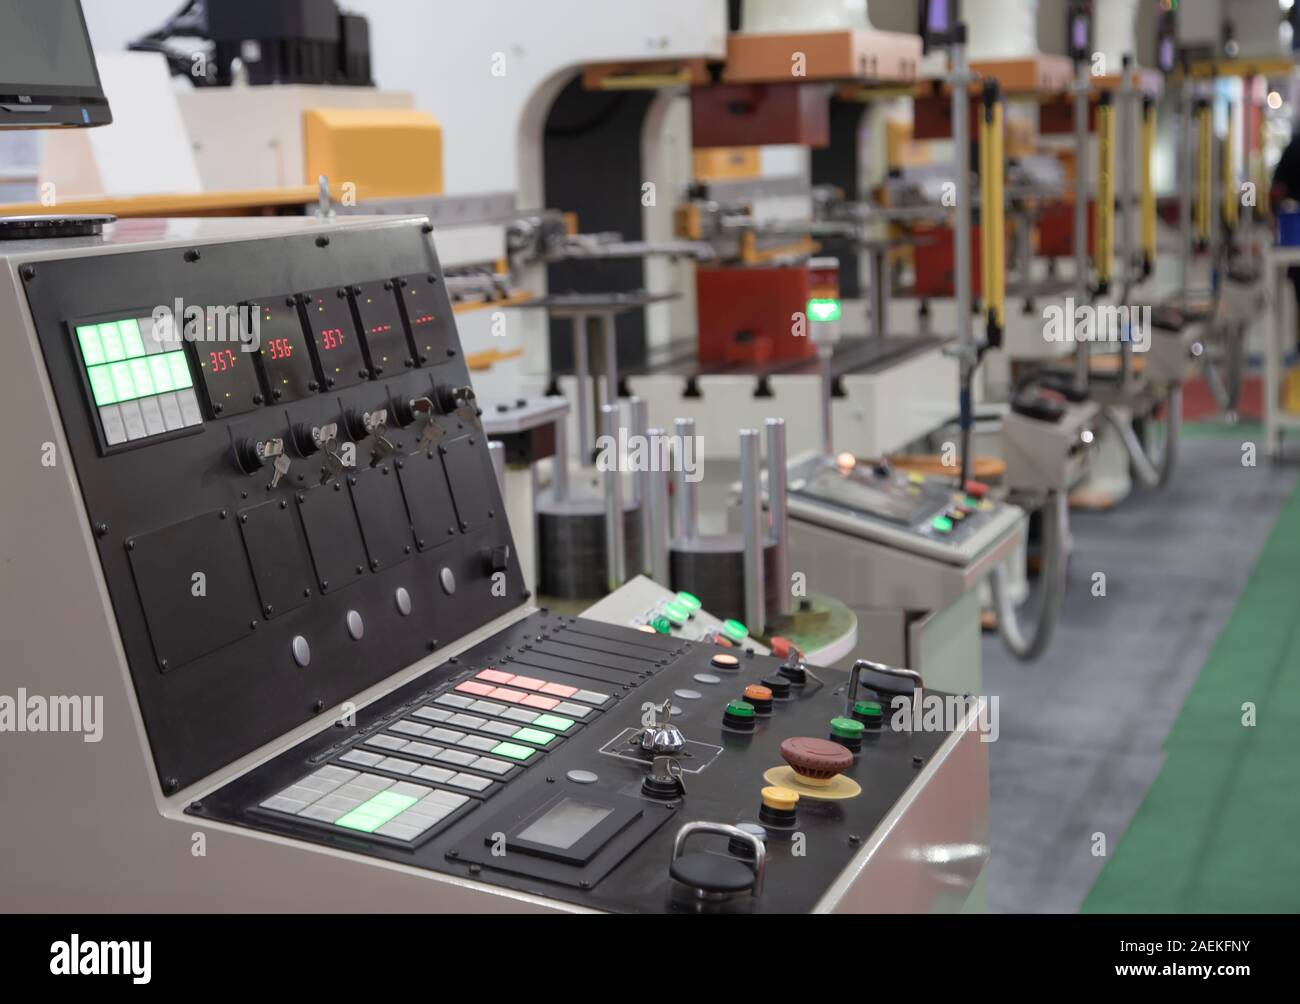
935 266
746 315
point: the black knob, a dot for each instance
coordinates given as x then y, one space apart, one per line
248 456
355 422
496 559
399 407
303 441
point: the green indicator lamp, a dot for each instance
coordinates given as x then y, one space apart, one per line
661 625
676 613
689 601
824 309
735 630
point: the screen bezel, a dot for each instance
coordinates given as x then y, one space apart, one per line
71 105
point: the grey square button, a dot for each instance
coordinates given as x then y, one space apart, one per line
431 773
490 766
458 757
471 782
361 757
397 765
467 721
479 742
453 701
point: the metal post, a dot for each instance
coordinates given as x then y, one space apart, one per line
582 373
960 83
638 423
778 513
615 544
1082 96
825 358
655 515
610 349
753 535
1124 159
1186 172
688 494
560 463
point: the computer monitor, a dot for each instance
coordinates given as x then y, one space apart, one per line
48 77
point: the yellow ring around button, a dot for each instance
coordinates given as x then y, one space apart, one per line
781 799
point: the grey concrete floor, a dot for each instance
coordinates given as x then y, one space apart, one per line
1083 730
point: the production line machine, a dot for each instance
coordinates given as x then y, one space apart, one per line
289 573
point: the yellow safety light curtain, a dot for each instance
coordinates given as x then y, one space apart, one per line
1203 200
1230 198
993 217
1148 190
1104 250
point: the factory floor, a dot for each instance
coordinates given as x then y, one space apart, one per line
1124 778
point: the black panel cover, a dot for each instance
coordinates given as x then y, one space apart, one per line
194 587
278 556
384 526
428 499
471 478
332 536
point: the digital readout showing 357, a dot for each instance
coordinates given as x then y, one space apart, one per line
337 347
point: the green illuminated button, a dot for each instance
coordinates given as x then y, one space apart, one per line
180 370
92 349
741 709
514 751
355 820
846 728
690 602
386 800
111 339
161 372
676 613
869 708
970 502
661 625
123 385
554 722
142 376
132 343
942 524
735 630
535 736
101 385
370 815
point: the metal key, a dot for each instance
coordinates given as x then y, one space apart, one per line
281 468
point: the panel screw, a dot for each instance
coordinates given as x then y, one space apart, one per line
101 529
171 785
319 706
192 255
917 761
28 272
322 242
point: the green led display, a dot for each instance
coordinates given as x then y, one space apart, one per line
119 366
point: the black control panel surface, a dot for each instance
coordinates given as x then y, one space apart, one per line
516 765
282 527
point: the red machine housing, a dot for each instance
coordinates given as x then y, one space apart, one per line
746 313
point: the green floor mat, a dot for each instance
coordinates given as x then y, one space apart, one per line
1218 830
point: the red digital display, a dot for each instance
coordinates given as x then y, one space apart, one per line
279 348
329 315
387 348
227 369
285 356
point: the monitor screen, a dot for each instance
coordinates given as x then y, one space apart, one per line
48 75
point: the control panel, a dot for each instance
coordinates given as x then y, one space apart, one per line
643 604
282 468
928 516
609 768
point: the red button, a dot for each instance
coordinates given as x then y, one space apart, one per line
538 701
976 489
527 683
559 690
502 694
470 687
495 676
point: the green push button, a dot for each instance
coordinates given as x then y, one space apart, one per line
554 722
676 613
689 601
92 349
942 524
846 728
535 736
971 503
661 625
868 708
513 751
735 630
741 709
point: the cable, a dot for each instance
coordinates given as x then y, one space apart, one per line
1157 472
1056 532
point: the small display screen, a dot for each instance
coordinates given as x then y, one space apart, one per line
282 347
337 347
382 328
418 298
567 822
859 491
1165 57
139 379
937 17
225 353
1079 33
